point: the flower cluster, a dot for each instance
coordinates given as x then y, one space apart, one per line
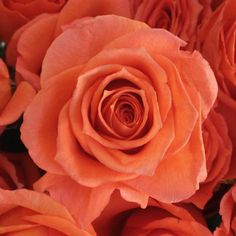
117 117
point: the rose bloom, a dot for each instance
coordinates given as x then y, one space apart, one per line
218 149
27 47
15 13
227 211
157 219
112 211
180 17
217 44
122 104
12 105
120 214
24 212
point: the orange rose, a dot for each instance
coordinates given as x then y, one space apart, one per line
11 107
27 47
227 211
218 149
124 218
24 212
15 13
217 44
122 104
119 213
180 17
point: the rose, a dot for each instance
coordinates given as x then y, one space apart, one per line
116 108
31 213
217 44
160 219
119 213
15 13
227 211
11 107
26 53
179 17
218 149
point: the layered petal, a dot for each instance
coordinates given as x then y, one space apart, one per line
31 212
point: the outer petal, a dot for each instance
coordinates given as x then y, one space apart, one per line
90 201
30 56
92 8
17 104
23 209
88 38
39 133
10 22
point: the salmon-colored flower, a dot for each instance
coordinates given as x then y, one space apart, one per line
27 47
118 212
12 106
122 104
25 212
15 13
218 149
126 219
227 211
217 44
180 17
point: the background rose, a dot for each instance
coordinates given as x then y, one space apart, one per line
114 211
218 149
15 13
30 213
217 44
12 106
180 17
124 218
27 47
227 211
135 114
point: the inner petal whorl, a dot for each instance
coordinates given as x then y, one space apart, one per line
123 111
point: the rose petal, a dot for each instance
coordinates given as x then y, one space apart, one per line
86 39
30 58
38 132
17 104
10 22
